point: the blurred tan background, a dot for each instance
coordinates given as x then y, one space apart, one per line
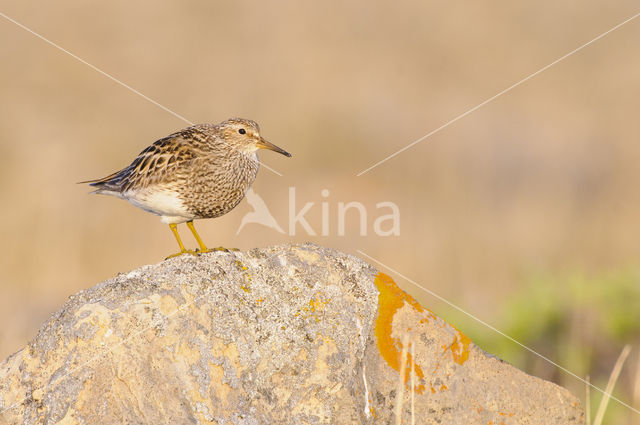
537 189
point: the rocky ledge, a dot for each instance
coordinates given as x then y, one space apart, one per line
293 334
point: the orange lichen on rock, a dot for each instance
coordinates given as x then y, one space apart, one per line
460 347
390 300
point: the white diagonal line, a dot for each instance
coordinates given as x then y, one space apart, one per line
111 77
95 68
480 105
497 330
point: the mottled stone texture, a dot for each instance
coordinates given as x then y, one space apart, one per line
295 334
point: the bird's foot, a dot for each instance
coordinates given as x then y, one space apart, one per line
220 248
184 251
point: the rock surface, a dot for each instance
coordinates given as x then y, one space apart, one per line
294 334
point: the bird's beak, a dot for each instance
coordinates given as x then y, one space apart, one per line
264 144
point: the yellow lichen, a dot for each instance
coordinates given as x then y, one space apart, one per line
316 305
240 266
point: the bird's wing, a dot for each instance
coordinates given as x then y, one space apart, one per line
153 165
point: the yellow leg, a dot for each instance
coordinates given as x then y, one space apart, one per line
183 250
203 247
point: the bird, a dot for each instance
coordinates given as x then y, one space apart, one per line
202 171
260 213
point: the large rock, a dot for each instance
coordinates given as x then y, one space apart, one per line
291 334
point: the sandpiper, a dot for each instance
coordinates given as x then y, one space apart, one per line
202 171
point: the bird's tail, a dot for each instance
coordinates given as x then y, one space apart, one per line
99 182
109 185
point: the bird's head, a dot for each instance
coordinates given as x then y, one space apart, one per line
244 135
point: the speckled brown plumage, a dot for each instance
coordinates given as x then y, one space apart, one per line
202 171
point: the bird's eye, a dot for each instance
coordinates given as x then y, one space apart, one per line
242 131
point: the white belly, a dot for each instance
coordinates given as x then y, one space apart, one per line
162 202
